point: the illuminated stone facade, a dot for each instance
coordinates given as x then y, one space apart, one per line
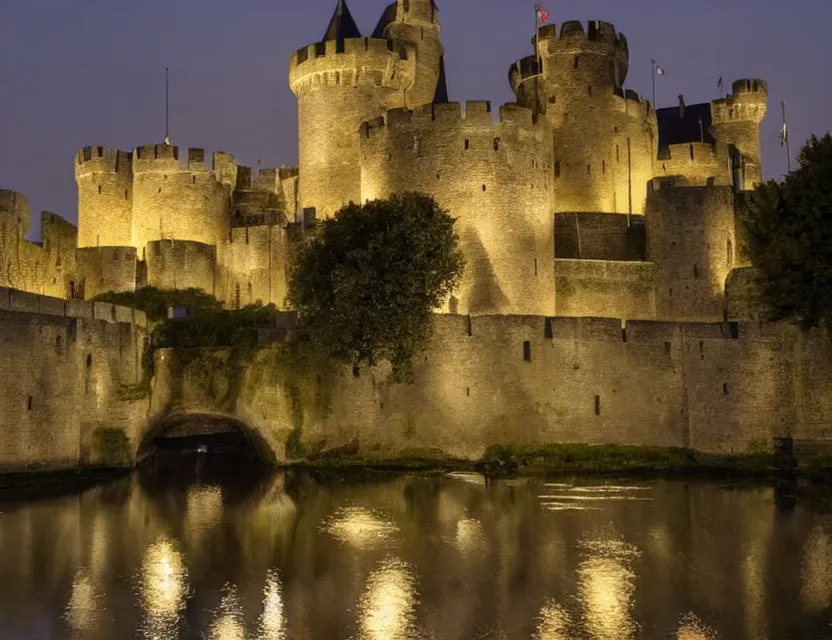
580 199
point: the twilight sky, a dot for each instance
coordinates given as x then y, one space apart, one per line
91 72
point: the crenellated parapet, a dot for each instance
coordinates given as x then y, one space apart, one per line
105 196
98 160
354 61
696 163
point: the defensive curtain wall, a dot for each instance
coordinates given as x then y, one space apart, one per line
69 371
74 370
494 178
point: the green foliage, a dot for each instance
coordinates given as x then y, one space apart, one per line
155 302
366 284
111 448
789 227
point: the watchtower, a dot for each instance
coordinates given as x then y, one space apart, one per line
339 82
415 24
105 197
736 120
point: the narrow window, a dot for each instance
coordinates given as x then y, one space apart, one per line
535 266
667 349
527 351
125 194
470 327
589 88
99 189
616 129
695 271
576 62
701 349
603 167
623 334
467 144
483 187
29 403
356 371
496 144
670 293
467 391
589 169
89 361
557 168
725 388
193 179
617 153
597 405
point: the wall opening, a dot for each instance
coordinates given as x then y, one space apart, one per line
624 334
467 391
496 144
89 361
557 168
467 144
667 349
695 271
356 372
597 405
28 403
725 388
470 326
535 266
576 62
99 189
547 329
527 351
702 349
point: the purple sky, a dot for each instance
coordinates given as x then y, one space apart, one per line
91 72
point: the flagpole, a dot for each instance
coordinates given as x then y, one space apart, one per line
536 61
653 74
785 135
167 106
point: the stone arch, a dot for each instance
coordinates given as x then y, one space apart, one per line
196 423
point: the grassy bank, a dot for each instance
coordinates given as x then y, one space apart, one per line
37 483
579 459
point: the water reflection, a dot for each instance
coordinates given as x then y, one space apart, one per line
606 584
313 556
360 527
387 607
228 624
163 589
84 604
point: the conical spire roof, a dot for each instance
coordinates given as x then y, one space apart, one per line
342 25
441 95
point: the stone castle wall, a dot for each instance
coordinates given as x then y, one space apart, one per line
696 164
105 197
103 269
514 380
178 265
255 266
600 236
64 365
494 178
605 289
47 267
691 240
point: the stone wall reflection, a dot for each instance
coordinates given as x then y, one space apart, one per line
311 556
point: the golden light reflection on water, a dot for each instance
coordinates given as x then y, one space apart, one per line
387 608
606 586
228 624
83 608
692 628
360 527
816 570
470 536
163 589
553 623
272 623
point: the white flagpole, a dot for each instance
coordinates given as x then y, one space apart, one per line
785 139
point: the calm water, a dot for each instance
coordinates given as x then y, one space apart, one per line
236 555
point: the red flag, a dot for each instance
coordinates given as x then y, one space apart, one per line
542 14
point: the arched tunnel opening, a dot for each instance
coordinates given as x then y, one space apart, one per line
202 442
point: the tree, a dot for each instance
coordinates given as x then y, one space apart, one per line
366 284
789 229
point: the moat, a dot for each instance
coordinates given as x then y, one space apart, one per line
201 550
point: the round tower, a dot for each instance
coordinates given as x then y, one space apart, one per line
605 138
105 197
691 240
340 82
495 179
736 120
415 24
180 201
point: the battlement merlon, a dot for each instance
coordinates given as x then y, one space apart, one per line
362 60
596 31
91 160
164 158
477 114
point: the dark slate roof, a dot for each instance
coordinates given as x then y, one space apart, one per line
676 130
342 25
441 95
388 15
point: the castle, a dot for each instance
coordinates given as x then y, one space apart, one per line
580 199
